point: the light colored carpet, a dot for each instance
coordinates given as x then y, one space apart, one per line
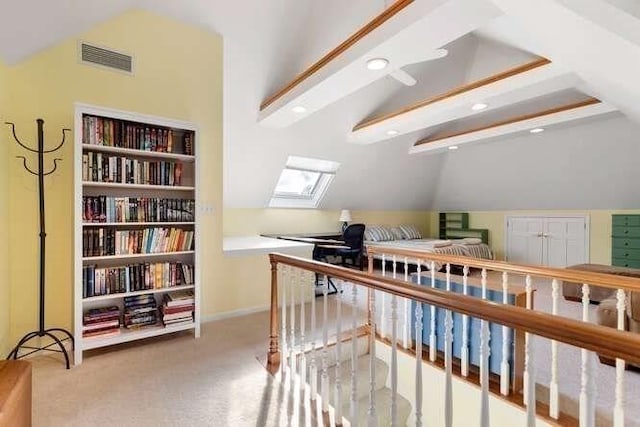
216 380
569 365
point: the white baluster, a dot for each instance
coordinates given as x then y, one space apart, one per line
303 356
618 411
382 326
324 380
292 327
531 384
485 337
554 409
394 360
529 391
587 413
504 365
354 355
371 410
338 380
432 323
313 365
448 343
284 279
527 343
464 354
406 310
418 401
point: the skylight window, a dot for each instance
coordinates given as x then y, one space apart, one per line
303 182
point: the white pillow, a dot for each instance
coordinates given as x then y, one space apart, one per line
410 232
378 233
397 233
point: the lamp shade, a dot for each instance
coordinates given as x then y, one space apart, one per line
345 215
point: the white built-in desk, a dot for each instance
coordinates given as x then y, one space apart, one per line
256 245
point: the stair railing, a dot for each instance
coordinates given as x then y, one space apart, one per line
432 306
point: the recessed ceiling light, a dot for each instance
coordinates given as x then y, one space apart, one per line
453 147
392 132
537 130
479 106
299 109
377 64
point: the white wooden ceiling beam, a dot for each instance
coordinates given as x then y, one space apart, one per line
434 23
526 81
562 114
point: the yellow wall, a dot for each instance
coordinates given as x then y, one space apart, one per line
4 218
241 222
178 74
248 277
600 229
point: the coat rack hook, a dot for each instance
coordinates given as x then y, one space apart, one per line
64 137
13 131
24 163
55 166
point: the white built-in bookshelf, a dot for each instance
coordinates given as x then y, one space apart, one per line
136 242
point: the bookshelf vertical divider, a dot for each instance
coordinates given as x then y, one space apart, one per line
136 227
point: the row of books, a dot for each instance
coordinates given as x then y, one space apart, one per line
98 281
177 308
102 322
101 241
136 209
123 134
99 167
139 311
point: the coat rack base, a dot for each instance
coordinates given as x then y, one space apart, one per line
58 337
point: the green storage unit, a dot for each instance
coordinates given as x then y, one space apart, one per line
455 225
625 240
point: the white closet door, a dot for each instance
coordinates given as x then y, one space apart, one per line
564 241
525 240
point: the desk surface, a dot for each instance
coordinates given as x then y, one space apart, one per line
296 236
252 245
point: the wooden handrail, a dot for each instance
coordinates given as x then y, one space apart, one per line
387 14
538 62
606 341
605 280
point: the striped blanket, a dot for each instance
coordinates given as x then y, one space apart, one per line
479 250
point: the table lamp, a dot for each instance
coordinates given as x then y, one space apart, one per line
345 217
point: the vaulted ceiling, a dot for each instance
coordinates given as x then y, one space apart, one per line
584 159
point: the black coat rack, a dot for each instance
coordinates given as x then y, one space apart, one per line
58 335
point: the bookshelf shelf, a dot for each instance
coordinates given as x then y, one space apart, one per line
139 153
130 256
130 294
107 146
134 224
137 186
127 335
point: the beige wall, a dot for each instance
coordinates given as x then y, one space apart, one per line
4 219
247 278
170 81
600 229
242 222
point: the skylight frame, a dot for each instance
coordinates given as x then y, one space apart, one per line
326 170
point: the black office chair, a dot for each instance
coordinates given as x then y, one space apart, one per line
353 237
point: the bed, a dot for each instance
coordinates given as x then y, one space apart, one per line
408 237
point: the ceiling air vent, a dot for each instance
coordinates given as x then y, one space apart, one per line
102 57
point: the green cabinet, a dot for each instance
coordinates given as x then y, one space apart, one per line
625 240
455 225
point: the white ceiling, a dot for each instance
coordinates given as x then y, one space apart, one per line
268 43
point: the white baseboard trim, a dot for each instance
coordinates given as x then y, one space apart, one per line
234 313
